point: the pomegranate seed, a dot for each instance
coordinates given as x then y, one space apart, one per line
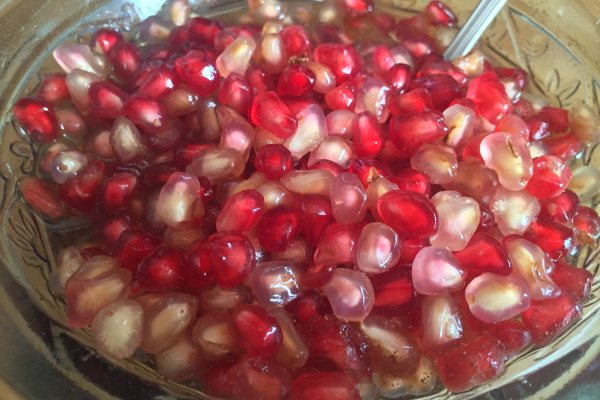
38 119
160 270
295 80
438 162
80 192
348 198
275 283
53 89
338 244
116 192
132 247
378 248
555 239
273 160
230 256
104 39
442 323
107 99
295 40
493 298
42 198
561 208
440 67
398 77
126 60
489 97
415 101
368 136
261 332
513 336
409 131
145 112
236 93
410 214
435 271
341 97
334 344
324 385
179 362
513 211
509 157
443 89
586 223
241 212
350 294
343 60
117 328
471 364
258 378
547 319
557 118
317 214
550 178
573 279
167 320
215 336
324 78
269 112
277 228
440 13
159 83
199 73
458 220
482 254
203 30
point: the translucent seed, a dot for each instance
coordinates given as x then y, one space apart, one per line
236 57
437 161
442 323
493 298
509 157
378 248
311 131
435 271
275 283
348 198
459 218
351 294
514 211
178 203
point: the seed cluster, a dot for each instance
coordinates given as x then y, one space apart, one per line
312 204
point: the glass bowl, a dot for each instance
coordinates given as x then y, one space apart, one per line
555 41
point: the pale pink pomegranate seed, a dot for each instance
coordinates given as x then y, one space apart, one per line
310 131
493 298
236 57
117 328
293 352
178 203
459 218
438 162
351 294
275 283
68 262
378 248
180 362
514 211
71 56
348 198
442 322
215 336
435 271
509 157
337 244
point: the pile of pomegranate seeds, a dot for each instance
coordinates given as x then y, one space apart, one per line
332 212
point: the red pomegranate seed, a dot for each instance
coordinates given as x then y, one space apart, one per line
564 145
586 222
80 193
489 97
188 151
104 39
324 386
126 59
310 306
145 112
278 227
368 136
112 229
334 345
561 208
132 247
555 239
203 30
295 80
471 364
415 101
259 80
442 67
38 119
341 97
270 113
53 89
106 99
241 212
42 198
258 378
357 7
317 214
160 270
342 59
550 178
230 256
261 332
557 118
273 160
409 249
538 128
573 279
410 214
295 40
517 75
398 77
546 319
409 131
236 93
160 82
440 13
199 73
369 170
513 336
195 275
442 88
338 244
394 291
411 180
117 191
484 254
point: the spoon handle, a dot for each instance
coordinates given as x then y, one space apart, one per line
476 24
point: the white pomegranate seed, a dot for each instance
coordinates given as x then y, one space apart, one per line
117 328
493 298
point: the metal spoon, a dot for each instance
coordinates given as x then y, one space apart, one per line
476 24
